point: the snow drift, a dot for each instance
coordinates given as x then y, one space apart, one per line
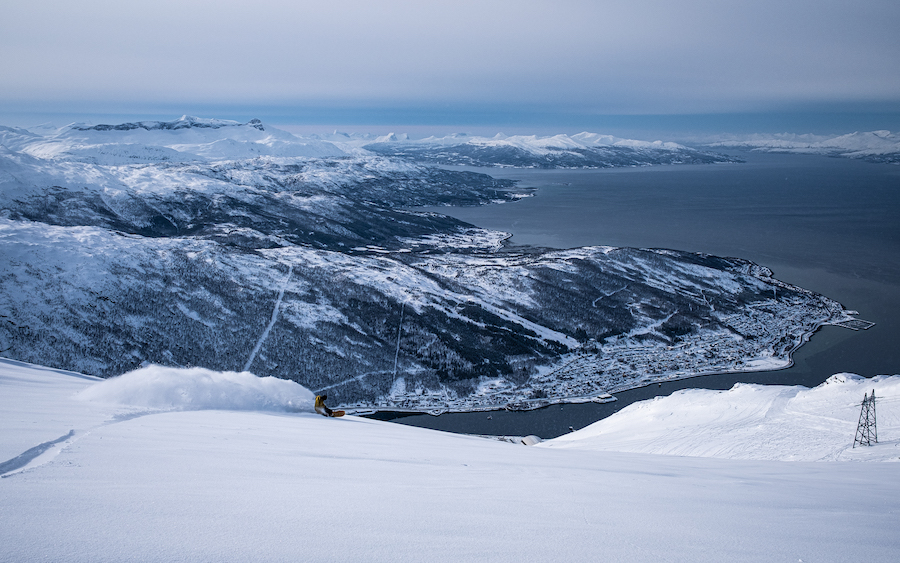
160 387
761 422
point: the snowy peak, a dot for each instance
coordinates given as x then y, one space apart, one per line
15 137
392 138
344 137
184 127
184 122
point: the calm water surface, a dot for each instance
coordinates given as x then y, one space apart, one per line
827 224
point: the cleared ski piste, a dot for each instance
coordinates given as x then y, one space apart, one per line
192 465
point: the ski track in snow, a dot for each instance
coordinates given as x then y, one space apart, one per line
272 322
45 452
23 459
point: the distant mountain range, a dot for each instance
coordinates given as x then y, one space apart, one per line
873 146
238 246
188 139
584 150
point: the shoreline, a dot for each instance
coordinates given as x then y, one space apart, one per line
847 321
843 318
605 397
797 365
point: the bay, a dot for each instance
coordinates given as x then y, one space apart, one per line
831 225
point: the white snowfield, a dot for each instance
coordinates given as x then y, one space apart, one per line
223 467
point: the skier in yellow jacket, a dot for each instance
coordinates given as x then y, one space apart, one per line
322 409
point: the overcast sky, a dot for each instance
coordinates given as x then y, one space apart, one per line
454 60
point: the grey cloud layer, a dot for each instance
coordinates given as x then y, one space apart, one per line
652 56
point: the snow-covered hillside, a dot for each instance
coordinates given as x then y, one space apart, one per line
874 146
584 150
753 422
131 244
105 303
104 480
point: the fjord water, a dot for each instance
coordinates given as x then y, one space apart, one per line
831 225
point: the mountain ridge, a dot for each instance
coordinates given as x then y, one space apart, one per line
584 150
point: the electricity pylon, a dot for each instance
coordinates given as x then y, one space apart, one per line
866 431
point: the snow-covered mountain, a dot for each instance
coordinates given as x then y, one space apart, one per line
312 269
584 150
874 146
173 464
187 139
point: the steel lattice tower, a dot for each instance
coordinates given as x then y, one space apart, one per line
866 431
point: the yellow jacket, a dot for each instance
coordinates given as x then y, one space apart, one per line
320 405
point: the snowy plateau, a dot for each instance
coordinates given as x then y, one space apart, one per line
239 247
175 464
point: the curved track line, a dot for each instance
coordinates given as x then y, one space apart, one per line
29 455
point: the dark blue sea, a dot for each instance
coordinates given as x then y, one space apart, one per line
831 225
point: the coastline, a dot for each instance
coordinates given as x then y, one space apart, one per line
528 405
773 328
785 372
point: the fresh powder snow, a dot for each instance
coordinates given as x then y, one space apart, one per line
166 464
161 387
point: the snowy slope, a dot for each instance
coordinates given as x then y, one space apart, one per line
263 485
875 146
753 422
35 406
